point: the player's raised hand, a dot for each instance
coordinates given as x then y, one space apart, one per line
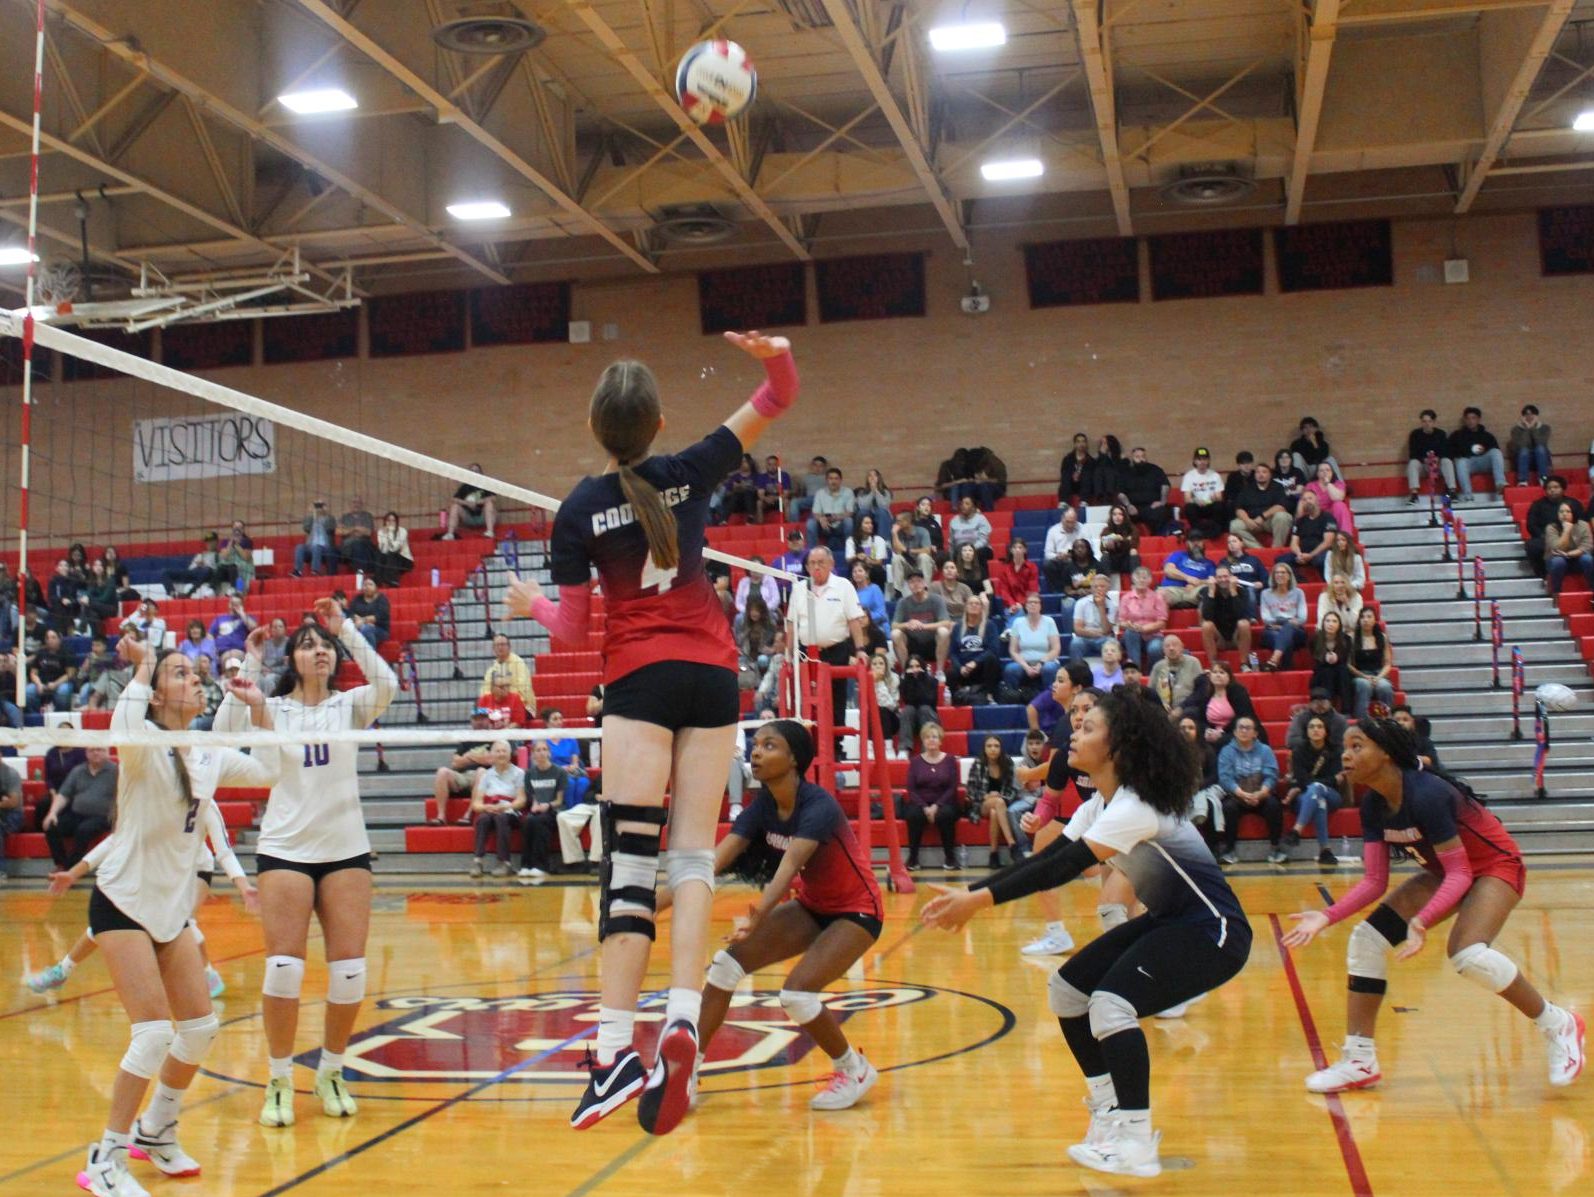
255 645
758 345
522 593
1307 926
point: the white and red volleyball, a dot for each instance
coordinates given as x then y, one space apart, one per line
715 81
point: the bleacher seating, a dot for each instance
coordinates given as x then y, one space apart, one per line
1575 603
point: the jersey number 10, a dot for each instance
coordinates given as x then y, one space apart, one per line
317 754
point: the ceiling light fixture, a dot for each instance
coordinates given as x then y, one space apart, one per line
979 35
321 99
479 210
1584 121
16 255
1011 168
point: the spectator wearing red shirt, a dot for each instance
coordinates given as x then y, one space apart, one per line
1015 577
505 707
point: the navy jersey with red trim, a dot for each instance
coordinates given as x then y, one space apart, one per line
651 614
1431 812
837 878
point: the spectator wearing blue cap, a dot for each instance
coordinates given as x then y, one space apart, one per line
458 777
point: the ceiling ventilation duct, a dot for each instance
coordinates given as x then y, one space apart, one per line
489 34
1208 185
693 224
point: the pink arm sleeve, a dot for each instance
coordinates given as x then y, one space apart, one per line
1457 881
778 391
569 618
1375 880
1046 809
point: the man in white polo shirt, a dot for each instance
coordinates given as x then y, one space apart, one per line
833 631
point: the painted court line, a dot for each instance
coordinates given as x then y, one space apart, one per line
1360 1186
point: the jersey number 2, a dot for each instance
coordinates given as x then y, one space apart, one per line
656 579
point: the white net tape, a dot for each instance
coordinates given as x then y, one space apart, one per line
68 736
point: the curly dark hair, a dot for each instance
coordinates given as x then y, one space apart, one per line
1394 740
1150 754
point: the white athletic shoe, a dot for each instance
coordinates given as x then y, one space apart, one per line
336 1101
842 1091
1566 1050
42 982
1100 1128
162 1151
691 1085
1053 943
1119 1152
1345 1074
106 1175
277 1109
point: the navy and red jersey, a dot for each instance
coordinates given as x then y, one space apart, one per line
1431 812
652 614
837 878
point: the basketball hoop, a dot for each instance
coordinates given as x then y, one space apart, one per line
57 285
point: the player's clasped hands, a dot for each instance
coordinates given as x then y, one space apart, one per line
1306 928
522 593
953 906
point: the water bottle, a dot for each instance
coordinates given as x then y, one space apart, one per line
359 579
437 576
1253 662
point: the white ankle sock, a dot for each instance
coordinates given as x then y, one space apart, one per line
1055 928
116 1140
67 965
614 1033
850 1062
684 1005
281 1068
1102 1095
330 1062
1551 1019
1135 1124
1360 1047
163 1108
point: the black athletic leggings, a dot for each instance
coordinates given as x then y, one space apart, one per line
1152 964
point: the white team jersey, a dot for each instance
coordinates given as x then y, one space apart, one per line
313 815
148 865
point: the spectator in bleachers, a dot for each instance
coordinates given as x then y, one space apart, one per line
1370 663
10 713
1250 575
1330 494
1475 451
459 775
1340 598
1420 729
1283 616
1205 503
1142 619
952 589
235 558
1311 537
1107 479
1291 479
974 656
1206 806
318 551
911 548
52 674
868 546
64 596
1346 559
58 763
1175 676
203 572
394 558
594 706
196 643
147 621
1248 770
809 485
1530 445
33 631
1110 672
1320 705
774 488
921 625
77 563
1260 507
835 630
917 692
1119 542
874 498
970 527
1226 618
473 506
98 598
1095 617
992 785
118 574
1317 788
1145 492
1034 647
82 810
1076 473
987 477
1331 651
925 517
91 674
11 817
793 561
755 635
273 654
1060 540
1015 576
932 797
873 601
496 801
1187 573
505 707
887 696
1216 701
357 536
766 585
1241 476
210 685
1075 579
953 477
1541 513
1133 674
1568 545
1428 438
830 514
230 630
506 659
581 810
1310 449
373 617
737 494
973 573
544 797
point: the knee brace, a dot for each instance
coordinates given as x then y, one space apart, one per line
194 1037
147 1048
689 864
1064 999
1367 950
1110 1015
724 972
802 1008
1112 914
346 981
284 977
1480 963
630 870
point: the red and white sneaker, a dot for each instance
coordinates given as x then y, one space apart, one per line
1566 1049
1345 1074
844 1090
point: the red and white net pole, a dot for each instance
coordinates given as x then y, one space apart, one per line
27 347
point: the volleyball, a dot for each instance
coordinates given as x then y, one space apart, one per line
715 81
1555 696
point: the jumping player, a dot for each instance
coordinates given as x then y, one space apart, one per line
140 905
794 834
313 855
669 708
1472 868
1193 937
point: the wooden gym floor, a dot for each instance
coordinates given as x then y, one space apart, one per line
482 1000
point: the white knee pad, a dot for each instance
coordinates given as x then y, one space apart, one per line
194 1037
1367 959
689 864
802 1008
147 1048
1480 963
724 973
1111 1014
1112 914
1065 1000
284 977
346 981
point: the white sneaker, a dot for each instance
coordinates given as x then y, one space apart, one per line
336 1100
1180 1010
842 1092
106 1175
1053 943
1120 1153
162 1151
691 1085
1566 1050
527 873
1345 1074
277 1109
1100 1128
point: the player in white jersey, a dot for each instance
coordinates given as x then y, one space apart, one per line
313 855
138 911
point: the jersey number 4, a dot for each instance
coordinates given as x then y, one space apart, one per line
656 579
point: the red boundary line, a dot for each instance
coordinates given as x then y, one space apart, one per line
1354 1168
